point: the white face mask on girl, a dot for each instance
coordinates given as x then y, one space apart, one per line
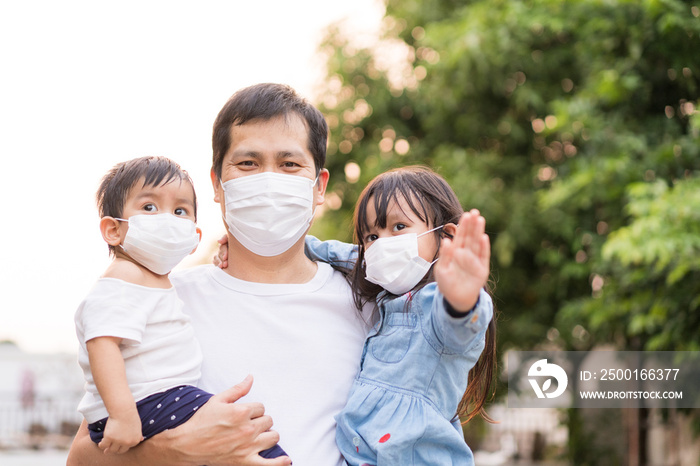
394 263
268 212
160 241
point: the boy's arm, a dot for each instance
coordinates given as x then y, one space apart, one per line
123 429
222 432
332 251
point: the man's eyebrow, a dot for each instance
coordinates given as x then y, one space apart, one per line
254 154
246 153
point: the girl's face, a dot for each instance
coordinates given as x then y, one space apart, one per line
400 219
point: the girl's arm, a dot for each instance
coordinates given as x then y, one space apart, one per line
461 274
332 251
123 429
458 333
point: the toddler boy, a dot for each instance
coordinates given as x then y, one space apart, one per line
137 348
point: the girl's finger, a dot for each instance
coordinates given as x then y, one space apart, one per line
477 227
478 233
473 241
446 252
460 237
485 254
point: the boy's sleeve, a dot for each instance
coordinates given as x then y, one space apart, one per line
109 310
113 320
333 252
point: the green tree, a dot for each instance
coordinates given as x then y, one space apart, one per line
572 125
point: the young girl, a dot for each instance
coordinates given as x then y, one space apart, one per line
425 264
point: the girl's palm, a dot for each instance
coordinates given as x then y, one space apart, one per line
463 268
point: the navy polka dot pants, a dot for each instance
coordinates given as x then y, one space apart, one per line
167 410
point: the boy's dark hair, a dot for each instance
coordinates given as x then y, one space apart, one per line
264 102
121 179
432 199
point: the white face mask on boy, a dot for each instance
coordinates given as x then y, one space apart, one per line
394 263
159 241
268 212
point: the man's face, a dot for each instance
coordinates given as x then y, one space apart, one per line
277 145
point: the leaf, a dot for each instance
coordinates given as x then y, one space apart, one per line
546 385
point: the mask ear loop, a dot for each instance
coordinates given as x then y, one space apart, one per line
430 231
314 207
121 245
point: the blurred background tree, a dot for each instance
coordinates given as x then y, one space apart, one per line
572 125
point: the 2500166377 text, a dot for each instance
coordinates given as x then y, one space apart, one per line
636 374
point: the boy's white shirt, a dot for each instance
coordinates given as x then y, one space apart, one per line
158 347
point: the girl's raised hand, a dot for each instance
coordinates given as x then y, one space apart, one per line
463 268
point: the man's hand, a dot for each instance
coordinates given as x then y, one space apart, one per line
121 433
227 432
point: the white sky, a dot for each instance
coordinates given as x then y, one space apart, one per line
85 84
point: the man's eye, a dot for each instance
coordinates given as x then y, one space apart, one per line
150 208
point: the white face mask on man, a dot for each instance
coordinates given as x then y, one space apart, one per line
159 241
395 264
268 212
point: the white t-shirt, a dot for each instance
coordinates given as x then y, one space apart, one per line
301 342
158 346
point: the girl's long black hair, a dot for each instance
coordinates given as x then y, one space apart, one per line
428 196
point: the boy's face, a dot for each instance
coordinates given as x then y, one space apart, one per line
176 198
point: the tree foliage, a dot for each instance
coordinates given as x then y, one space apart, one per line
572 125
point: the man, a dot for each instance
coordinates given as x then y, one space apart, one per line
272 312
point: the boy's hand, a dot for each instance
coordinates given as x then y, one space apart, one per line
220 259
463 268
121 433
